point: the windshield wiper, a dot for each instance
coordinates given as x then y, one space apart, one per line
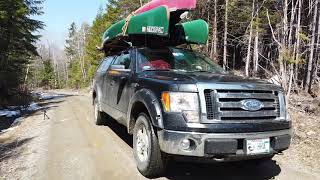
199 71
157 70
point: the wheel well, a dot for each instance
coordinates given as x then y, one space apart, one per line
94 95
137 108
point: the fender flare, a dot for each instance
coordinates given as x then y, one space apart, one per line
152 104
97 91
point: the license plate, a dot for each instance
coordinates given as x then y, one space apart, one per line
258 146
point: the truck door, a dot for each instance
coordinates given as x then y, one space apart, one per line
104 68
119 82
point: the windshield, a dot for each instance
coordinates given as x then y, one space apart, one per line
174 59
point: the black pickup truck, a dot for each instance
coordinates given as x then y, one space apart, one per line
178 103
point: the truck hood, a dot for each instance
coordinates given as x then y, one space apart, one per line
200 77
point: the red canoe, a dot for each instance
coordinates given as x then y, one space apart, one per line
173 5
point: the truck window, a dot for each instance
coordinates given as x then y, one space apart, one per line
105 64
174 59
123 59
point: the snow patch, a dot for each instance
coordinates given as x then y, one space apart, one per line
17 121
33 107
15 111
8 130
9 113
51 96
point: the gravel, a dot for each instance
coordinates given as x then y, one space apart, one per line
304 152
24 148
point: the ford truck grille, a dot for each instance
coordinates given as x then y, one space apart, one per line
227 105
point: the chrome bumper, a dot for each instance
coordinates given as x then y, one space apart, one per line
170 142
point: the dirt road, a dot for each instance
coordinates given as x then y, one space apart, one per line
77 149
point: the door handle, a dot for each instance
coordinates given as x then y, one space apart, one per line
112 82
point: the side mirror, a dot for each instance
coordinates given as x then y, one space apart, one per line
118 70
117 67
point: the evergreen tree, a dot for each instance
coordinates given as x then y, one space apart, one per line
70 47
47 75
94 56
115 11
17 39
75 51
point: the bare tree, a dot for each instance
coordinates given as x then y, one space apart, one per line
297 54
208 20
250 39
292 18
214 41
225 35
256 51
307 86
316 54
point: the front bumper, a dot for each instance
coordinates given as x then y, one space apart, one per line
221 145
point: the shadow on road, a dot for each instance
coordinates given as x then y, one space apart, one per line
232 170
120 130
235 170
12 149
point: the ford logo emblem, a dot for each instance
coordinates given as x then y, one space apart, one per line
251 104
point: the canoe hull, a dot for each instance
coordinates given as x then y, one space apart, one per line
173 5
155 22
196 31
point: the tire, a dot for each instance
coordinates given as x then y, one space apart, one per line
155 162
99 117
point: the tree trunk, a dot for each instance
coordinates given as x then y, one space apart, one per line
293 12
58 75
81 43
66 73
284 46
307 86
256 52
285 23
316 55
26 78
318 41
83 53
225 35
215 37
297 55
250 39
208 20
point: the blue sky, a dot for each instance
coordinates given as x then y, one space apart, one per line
59 14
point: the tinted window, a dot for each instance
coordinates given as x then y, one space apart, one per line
174 59
123 59
105 64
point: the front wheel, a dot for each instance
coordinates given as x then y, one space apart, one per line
151 162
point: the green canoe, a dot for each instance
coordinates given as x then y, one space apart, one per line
196 31
156 27
155 22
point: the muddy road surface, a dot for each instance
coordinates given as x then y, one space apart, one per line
78 149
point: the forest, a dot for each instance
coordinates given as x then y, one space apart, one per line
269 39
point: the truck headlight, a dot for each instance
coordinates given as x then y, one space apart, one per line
180 102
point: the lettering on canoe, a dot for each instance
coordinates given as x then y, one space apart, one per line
153 29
